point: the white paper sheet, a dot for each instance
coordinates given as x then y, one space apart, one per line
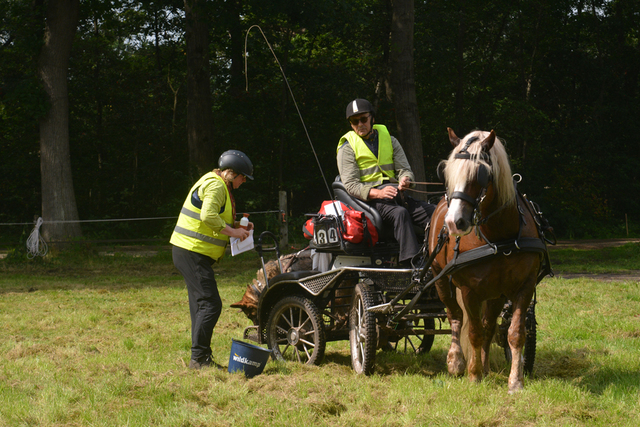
237 247
334 209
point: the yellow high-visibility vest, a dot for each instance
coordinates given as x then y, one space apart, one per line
191 233
372 170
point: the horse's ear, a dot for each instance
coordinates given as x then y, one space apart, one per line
453 137
488 142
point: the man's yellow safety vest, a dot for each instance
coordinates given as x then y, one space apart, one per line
372 170
191 233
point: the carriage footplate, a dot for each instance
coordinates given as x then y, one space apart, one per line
386 308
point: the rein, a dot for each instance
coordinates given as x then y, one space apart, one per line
465 259
479 254
426 192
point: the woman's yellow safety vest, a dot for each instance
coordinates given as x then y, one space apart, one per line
372 170
191 233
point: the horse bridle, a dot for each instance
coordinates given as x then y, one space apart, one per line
483 177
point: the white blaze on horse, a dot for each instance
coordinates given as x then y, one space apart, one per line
483 211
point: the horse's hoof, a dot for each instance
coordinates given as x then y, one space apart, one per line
456 367
516 388
475 378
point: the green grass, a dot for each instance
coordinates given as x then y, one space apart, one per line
619 259
104 341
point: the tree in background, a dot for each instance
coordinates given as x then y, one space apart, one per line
199 118
58 197
558 81
401 87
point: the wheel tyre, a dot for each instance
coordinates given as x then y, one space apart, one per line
529 350
427 340
363 338
418 344
295 331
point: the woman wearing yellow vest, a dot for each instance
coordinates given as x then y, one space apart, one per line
369 159
205 224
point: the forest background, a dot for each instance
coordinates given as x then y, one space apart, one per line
157 90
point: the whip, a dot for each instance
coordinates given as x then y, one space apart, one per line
246 73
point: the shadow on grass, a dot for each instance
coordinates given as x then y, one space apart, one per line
391 362
577 366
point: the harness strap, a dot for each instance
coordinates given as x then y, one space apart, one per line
465 197
473 256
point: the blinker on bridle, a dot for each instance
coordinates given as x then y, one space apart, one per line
483 176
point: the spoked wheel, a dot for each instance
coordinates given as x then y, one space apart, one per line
529 350
417 342
362 331
295 331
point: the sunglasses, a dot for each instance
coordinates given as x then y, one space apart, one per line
362 120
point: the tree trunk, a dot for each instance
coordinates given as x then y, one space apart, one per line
234 21
199 117
460 68
402 87
58 198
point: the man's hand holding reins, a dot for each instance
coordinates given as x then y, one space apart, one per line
404 183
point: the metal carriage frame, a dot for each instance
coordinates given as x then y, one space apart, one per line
299 312
373 307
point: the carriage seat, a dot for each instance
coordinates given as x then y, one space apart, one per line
341 194
385 233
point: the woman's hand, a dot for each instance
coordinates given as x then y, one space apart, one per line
238 233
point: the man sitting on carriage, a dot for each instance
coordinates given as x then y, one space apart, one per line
373 167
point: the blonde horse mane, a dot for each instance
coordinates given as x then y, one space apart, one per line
459 171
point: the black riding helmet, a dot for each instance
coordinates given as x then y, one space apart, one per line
236 161
359 106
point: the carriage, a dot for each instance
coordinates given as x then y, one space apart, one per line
365 297
299 312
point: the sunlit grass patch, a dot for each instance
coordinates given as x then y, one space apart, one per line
110 345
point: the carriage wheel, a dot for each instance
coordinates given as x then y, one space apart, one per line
295 331
417 343
362 331
529 350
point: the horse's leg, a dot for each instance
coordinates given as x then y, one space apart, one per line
517 336
476 333
455 358
464 329
491 312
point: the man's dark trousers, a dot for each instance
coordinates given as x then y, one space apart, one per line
401 213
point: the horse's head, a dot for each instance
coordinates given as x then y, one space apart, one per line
476 174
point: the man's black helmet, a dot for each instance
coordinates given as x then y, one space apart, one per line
359 106
236 161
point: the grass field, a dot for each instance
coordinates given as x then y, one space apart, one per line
89 340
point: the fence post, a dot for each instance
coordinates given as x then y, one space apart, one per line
284 228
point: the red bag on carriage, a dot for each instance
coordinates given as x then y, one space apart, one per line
328 207
357 228
355 222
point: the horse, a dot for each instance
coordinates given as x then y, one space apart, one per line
481 196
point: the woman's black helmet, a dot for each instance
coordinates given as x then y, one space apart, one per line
236 161
359 106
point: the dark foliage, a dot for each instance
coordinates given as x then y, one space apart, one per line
558 81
